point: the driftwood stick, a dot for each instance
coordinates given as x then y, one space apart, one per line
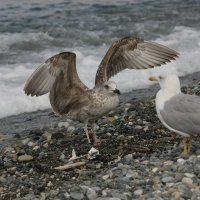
69 166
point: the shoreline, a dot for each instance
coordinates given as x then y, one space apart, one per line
16 124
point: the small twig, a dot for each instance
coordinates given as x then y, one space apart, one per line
69 166
140 149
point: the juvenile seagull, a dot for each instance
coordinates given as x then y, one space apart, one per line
177 111
69 96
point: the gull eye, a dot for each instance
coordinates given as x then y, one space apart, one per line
106 86
161 77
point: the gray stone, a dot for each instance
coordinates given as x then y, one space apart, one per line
138 192
76 195
181 161
189 175
192 159
71 128
107 198
178 176
187 181
119 195
25 141
138 127
128 158
167 179
132 174
66 195
63 124
154 170
91 194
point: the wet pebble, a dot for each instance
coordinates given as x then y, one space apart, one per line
91 194
167 179
187 180
76 195
63 124
25 158
47 136
138 192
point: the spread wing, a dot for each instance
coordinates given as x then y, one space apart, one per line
182 113
58 75
132 53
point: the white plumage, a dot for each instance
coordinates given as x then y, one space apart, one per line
178 112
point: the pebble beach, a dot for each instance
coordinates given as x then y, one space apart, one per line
137 159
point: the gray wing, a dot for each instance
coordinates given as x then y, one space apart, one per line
58 76
132 53
182 113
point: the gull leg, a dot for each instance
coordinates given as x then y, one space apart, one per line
97 141
185 146
87 132
189 144
92 133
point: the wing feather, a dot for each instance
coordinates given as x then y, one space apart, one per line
149 62
58 76
182 113
132 53
35 84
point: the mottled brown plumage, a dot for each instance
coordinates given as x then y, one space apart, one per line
68 95
132 53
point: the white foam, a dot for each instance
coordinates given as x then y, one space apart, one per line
8 39
12 77
13 101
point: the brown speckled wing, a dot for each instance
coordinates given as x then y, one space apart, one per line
43 78
132 53
58 75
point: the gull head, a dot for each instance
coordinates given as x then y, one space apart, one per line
168 82
110 87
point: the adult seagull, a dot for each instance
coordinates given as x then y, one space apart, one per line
70 96
178 112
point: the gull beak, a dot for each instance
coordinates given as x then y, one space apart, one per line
116 91
153 78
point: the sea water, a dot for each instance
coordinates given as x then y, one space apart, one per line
31 31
